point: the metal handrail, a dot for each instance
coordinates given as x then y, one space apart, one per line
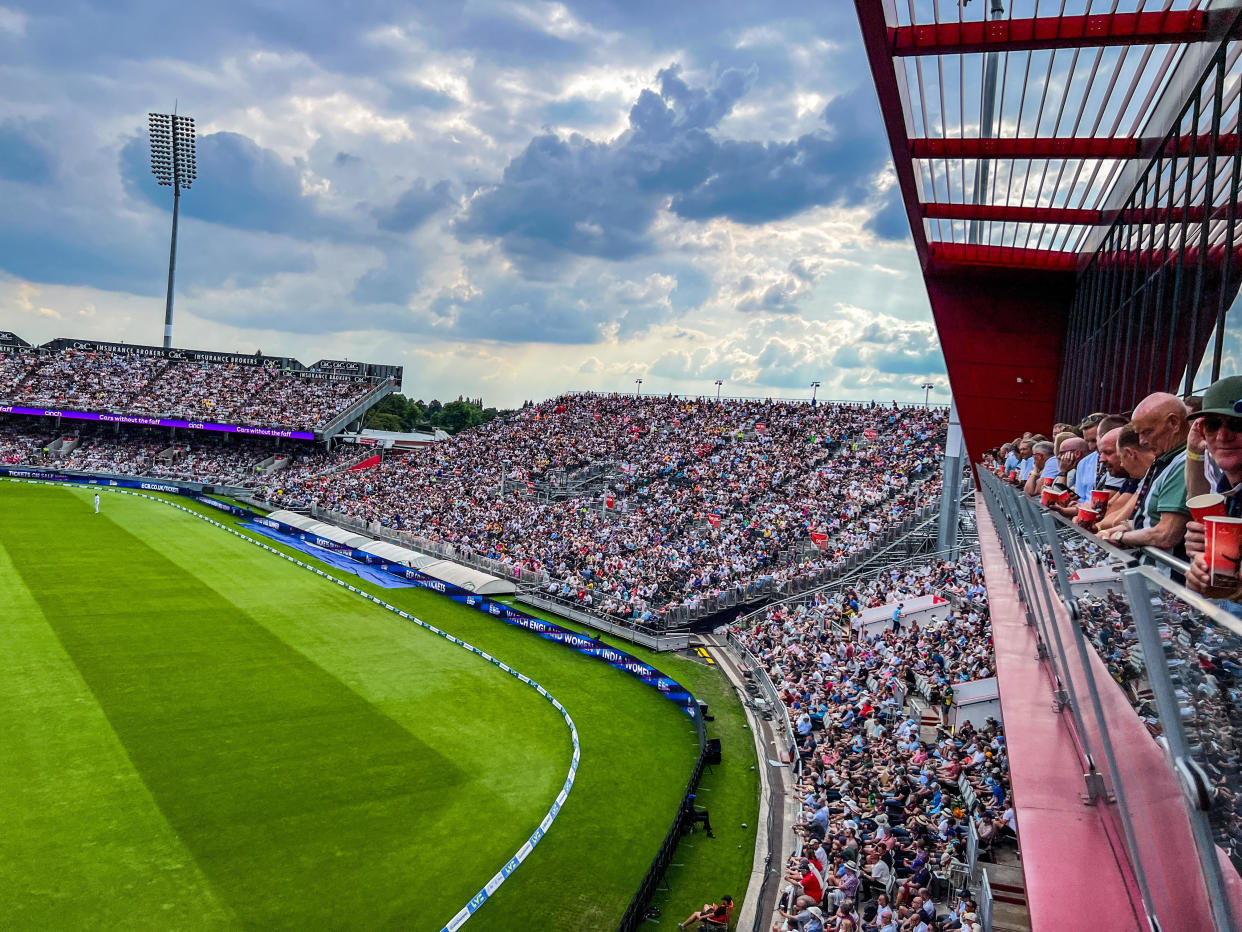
1033 542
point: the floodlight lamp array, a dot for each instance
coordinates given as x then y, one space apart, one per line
173 156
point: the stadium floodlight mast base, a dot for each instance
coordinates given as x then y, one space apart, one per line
173 165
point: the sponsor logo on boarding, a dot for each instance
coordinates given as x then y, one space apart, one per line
477 900
459 920
536 836
495 882
156 487
505 667
546 823
510 867
494 609
524 851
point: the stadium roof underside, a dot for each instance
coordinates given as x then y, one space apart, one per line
1019 132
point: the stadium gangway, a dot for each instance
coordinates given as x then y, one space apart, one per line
1172 798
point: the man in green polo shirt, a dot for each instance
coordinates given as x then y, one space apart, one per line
1160 513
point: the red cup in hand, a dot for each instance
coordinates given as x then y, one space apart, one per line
1207 506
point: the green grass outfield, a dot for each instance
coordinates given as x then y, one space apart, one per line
201 734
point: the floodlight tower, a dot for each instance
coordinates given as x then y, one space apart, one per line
172 164
814 391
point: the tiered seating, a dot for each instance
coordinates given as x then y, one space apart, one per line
153 386
701 499
887 800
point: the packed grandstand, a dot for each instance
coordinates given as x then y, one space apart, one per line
642 509
888 796
149 384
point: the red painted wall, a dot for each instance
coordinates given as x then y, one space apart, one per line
1001 332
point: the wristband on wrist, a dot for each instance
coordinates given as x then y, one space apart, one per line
1194 457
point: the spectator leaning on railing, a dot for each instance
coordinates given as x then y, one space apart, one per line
1117 480
1044 466
1160 513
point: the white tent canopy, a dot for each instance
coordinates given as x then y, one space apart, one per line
390 552
293 519
471 580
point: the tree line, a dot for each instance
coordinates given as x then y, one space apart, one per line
398 413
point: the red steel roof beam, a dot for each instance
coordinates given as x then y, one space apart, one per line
1050 32
970 255
1000 213
1047 147
1002 257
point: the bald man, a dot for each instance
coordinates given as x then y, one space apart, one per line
1160 513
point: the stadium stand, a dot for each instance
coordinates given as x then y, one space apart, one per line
886 798
252 391
663 504
197 456
1145 470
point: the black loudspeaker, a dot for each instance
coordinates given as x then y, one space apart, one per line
713 750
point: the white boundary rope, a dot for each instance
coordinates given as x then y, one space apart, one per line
523 852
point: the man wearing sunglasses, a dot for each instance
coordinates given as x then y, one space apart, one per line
1217 434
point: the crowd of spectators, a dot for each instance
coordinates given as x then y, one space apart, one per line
884 807
153 386
151 452
697 497
20 445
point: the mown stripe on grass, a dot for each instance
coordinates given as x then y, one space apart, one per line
480 898
289 789
78 819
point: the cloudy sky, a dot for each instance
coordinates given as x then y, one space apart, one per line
510 199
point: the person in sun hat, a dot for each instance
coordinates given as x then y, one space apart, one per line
1214 461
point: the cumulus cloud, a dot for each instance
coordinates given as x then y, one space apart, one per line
850 351
578 196
534 181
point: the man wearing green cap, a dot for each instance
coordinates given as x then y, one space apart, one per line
1215 435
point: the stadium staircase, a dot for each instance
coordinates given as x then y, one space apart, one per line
585 480
358 409
63 446
1008 884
